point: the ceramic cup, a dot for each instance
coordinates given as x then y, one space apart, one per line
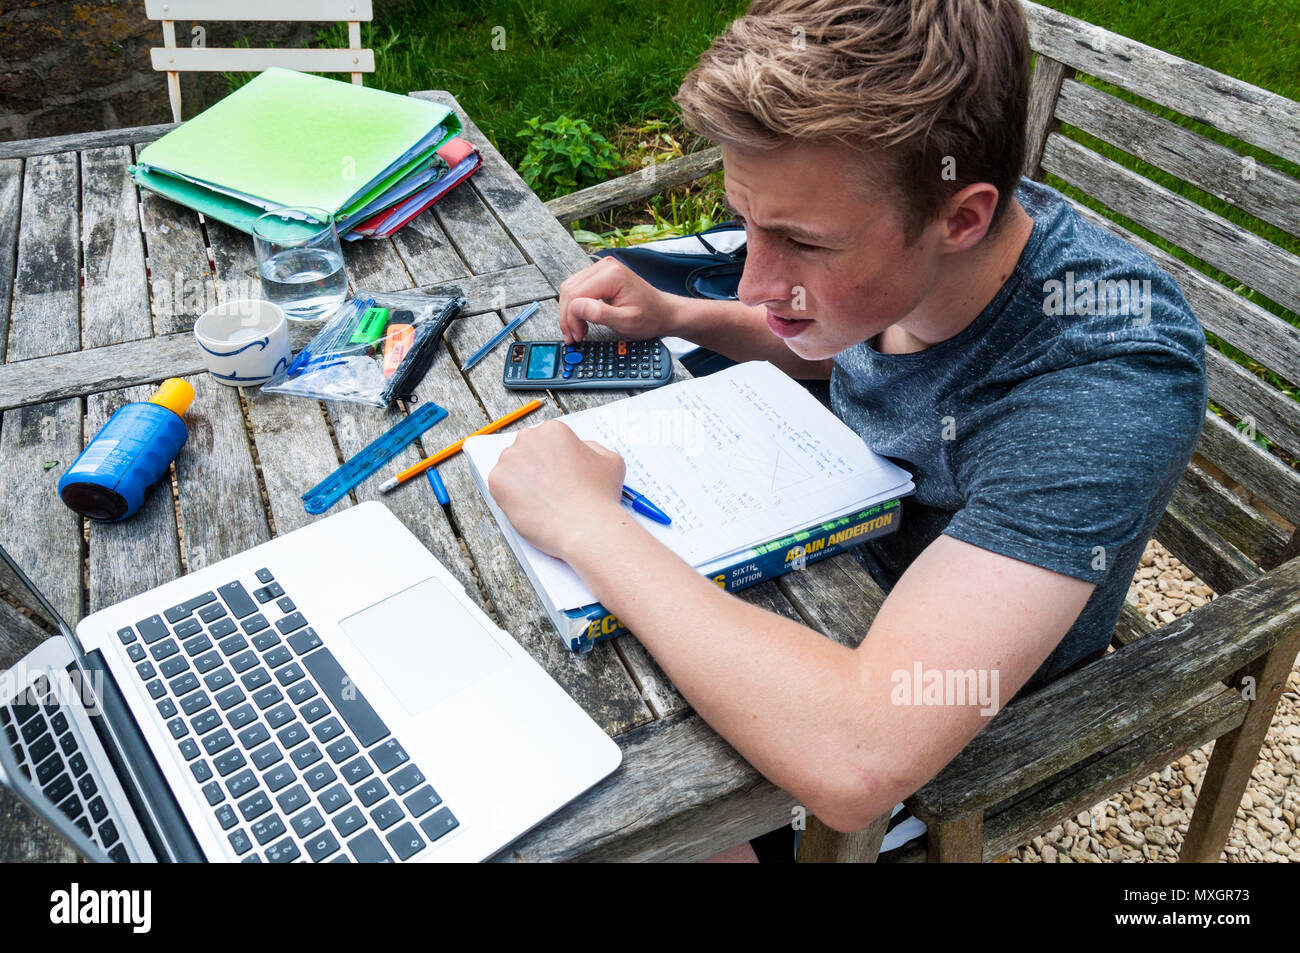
244 343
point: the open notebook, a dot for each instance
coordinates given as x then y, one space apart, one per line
741 460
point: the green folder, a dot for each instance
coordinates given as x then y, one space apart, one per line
289 138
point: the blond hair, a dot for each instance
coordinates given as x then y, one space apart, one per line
935 89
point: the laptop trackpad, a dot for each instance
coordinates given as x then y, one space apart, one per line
424 644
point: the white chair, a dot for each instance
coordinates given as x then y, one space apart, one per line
173 59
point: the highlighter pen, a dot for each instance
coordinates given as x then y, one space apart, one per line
643 506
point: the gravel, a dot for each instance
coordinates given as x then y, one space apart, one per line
1147 821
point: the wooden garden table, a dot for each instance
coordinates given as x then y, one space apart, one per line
99 288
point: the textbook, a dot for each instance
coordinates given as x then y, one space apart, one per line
289 138
757 475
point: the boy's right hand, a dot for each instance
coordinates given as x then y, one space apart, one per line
610 293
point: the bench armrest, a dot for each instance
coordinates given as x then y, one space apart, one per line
1114 697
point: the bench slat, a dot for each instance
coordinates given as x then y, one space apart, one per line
1212 238
1237 320
1044 87
1239 180
1262 473
1276 416
626 189
1203 551
1254 115
11 183
1204 498
1081 788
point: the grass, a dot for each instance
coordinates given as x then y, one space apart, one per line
617 64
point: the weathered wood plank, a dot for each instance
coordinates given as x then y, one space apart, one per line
1131 625
544 240
1239 321
375 266
1109 700
41 534
1249 185
181 285
477 236
1225 245
1262 473
1215 712
682 793
1204 551
22 148
427 252
18 633
115 292
294 453
822 845
1040 119
1203 498
137 554
626 189
47 286
220 507
836 596
1236 753
1261 118
137 362
25 837
11 187
1241 392
235 265
955 841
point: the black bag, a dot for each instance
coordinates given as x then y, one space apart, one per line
708 273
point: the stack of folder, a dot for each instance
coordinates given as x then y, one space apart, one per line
373 160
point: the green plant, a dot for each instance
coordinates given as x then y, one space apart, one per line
564 155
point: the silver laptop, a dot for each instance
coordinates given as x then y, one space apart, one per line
331 695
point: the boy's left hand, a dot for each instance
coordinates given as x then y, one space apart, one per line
558 490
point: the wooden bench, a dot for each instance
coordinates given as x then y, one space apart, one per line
1218 671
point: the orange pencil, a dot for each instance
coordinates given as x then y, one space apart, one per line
445 452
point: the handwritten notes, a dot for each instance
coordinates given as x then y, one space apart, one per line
736 459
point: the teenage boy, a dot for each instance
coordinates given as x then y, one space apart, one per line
1042 380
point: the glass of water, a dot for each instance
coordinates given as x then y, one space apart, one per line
300 261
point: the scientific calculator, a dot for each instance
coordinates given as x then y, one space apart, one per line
587 365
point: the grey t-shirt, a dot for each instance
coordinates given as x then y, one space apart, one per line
1053 428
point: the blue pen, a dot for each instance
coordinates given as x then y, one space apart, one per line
439 489
645 507
501 335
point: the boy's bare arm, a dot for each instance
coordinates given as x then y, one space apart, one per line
740 332
822 721
611 294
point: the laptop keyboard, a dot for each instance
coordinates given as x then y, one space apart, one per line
37 725
292 759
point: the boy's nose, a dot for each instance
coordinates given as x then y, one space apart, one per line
764 280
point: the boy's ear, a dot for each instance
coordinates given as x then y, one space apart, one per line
967 216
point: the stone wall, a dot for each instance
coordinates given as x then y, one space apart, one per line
81 66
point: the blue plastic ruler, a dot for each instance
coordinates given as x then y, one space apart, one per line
339 483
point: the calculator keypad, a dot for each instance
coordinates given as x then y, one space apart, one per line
614 360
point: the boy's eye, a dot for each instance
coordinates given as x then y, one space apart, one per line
800 246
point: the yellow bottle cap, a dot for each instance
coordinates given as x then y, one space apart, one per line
174 394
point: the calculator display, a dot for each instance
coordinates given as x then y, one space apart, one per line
541 362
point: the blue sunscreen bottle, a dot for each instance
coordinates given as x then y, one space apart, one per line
131 453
